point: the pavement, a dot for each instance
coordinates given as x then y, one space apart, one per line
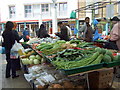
19 82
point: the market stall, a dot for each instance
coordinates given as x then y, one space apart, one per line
56 61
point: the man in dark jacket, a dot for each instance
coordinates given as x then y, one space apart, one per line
63 32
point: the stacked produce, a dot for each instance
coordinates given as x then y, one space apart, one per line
60 45
42 40
31 57
100 55
53 48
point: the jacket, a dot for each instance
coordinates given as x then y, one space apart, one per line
64 33
42 33
87 32
16 35
115 34
9 39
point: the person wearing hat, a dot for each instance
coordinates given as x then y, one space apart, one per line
115 36
115 32
115 20
114 40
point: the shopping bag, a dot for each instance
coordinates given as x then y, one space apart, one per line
2 50
14 55
15 47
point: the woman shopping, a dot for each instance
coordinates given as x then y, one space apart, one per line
9 40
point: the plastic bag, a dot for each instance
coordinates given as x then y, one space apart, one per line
97 36
73 15
17 46
14 55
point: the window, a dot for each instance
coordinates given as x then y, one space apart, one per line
44 7
28 10
63 6
36 10
62 9
12 11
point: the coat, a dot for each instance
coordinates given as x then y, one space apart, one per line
64 33
17 37
9 39
115 34
42 33
87 32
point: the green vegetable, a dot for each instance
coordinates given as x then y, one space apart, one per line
25 61
38 57
73 64
30 61
36 61
107 58
98 60
116 58
32 57
103 51
108 52
98 50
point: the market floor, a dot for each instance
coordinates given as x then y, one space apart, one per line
20 82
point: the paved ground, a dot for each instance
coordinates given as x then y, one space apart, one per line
20 82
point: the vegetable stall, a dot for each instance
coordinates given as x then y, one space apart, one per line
52 63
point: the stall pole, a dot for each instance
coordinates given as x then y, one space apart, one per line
54 17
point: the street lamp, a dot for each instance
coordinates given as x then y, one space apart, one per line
54 17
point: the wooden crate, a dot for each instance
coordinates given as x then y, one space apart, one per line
101 79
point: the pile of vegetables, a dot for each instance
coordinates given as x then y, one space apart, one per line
53 48
72 54
100 55
33 59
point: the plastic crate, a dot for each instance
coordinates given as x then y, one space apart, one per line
101 79
82 69
112 64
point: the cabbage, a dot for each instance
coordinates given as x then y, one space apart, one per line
36 61
32 57
25 61
38 57
30 61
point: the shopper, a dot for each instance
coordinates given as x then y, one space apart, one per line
9 40
42 33
87 31
26 35
17 37
115 32
63 32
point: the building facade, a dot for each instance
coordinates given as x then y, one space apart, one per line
99 13
28 12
